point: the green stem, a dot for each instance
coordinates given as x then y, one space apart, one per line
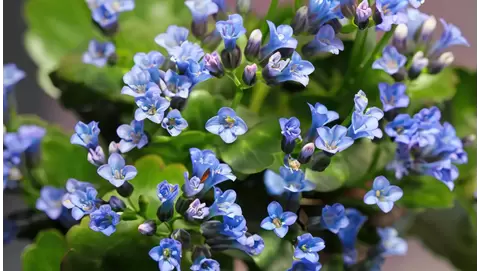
356 56
380 45
133 206
259 94
373 164
239 92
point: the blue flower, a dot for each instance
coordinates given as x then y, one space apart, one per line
26 139
278 71
197 72
213 64
197 210
277 220
288 180
320 116
290 128
416 3
192 186
131 136
72 186
138 82
201 9
104 16
348 235
305 265
167 192
402 128
227 125
96 156
392 12
104 220
383 194
116 172
11 75
363 14
365 124
334 217
151 62
168 254
151 106
50 201
325 41
98 53
393 96
449 146
86 135
175 85
232 227
172 38
221 5
231 30
118 6
333 140
428 117
84 202
390 243
186 51
391 61
224 204
442 170
281 38
205 264
451 36
322 11
308 247
174 123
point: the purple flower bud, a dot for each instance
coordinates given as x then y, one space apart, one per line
125 190
96 156
231 59
306 153
116 204
250 75
199 28
362 15
113 148
254 43
419 62
400 38
348 8
148 228
213 64
445 60
300 21
182 236
197 210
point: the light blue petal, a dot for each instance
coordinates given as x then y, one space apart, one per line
288 218
281 232
370 198
105 171
77 213
75 139
124 131
267 224
228 136
380 183
125 146
140 115
213 125
385 206
109 230
274 183
116 161
274 209
312 257
394 193
129 172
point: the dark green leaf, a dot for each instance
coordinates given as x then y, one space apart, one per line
46 253
277 254
425 192
200 107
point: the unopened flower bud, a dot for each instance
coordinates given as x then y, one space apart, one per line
164 212
182 236
244 6
400 38
231 59
113 148
182 204
201 251
362 15
320 161
212 40
213 64
377 17
306 153
335 24
348 8
250 75
199 29
148 228
178 103
96 156
419 62
445 60
401 75
300 21
287 145
468 140
252 50
125 190
426 31
117 204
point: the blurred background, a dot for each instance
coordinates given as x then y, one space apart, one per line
32 100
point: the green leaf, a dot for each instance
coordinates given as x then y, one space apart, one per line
126 249
46 253
277 254
425 192
433 88
335 263
254 151
200 107
329 180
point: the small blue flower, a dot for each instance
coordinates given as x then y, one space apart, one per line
151 62
168 254
233 228
290 128
449 146
224 204
391 244
172 38
277 220
167 192
253 245
201 9
176 85
392 12
96 156
383 194
278 71
402 128
205 264
428 117
104 16
86 135
98 53
322 11
174 123
334 217
11 75
348 235
281 38
333 140
210 171
320 116
151 106
325 41
227 125
402 162
138 82
451 36
116 172
197 72
192 186
288 180
197 210
391 60
365 124
72 186
308 247
119 6
231 30
131 136
442 170
393 96
50 201
416 3
26 139
84 202
183 53
104 220
305 265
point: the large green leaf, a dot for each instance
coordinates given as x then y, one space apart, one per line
277 254
425 192
46 253
254 151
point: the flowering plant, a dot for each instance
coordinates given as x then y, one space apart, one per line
294 141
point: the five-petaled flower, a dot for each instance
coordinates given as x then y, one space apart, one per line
281 39
86 135
172 38
116 172
138 82
231 30
50 201
289 180
175 85
308 247
151 62
98 53
174 123
131 136
383 194
227 125
393 96
333 140
104 220
224 204
334 218
391 61
295 69
167 192
151 106
325 41
84 202
277 220
168 254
